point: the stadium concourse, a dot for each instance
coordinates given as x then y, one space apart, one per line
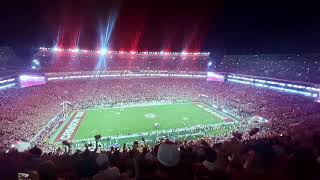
286 146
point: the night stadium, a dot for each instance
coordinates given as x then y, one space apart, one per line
157 100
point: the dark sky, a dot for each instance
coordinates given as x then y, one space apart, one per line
232 26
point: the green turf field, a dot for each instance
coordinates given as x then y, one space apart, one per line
121 121
126 124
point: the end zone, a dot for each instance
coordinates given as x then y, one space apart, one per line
70 129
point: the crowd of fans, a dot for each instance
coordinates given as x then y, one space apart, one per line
286 147
298 67
305 67
38 104
273 151
291 156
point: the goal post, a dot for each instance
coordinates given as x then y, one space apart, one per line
65 105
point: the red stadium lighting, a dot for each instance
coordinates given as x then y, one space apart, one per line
104 51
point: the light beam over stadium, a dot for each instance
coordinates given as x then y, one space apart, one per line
103 51
55 47
105 34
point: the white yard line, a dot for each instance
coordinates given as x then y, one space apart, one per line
199 104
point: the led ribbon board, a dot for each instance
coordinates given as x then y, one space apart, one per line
31 80
211 76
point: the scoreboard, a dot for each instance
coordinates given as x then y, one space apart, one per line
213 76
28 80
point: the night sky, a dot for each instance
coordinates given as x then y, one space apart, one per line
233 26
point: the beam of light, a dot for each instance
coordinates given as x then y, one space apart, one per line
76 49
55 49
105 32
78 39
56 43
103 51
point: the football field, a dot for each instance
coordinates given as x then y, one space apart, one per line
130 122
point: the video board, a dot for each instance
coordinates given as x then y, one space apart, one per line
28 80
211 76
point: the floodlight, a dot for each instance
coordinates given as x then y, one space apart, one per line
103 51
36 62
75 50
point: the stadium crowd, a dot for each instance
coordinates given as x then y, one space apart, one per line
297 67
291 156
24 112
66 62
304 67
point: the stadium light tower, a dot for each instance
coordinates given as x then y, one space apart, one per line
36 62
103 51
55 49
76 50
184 53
